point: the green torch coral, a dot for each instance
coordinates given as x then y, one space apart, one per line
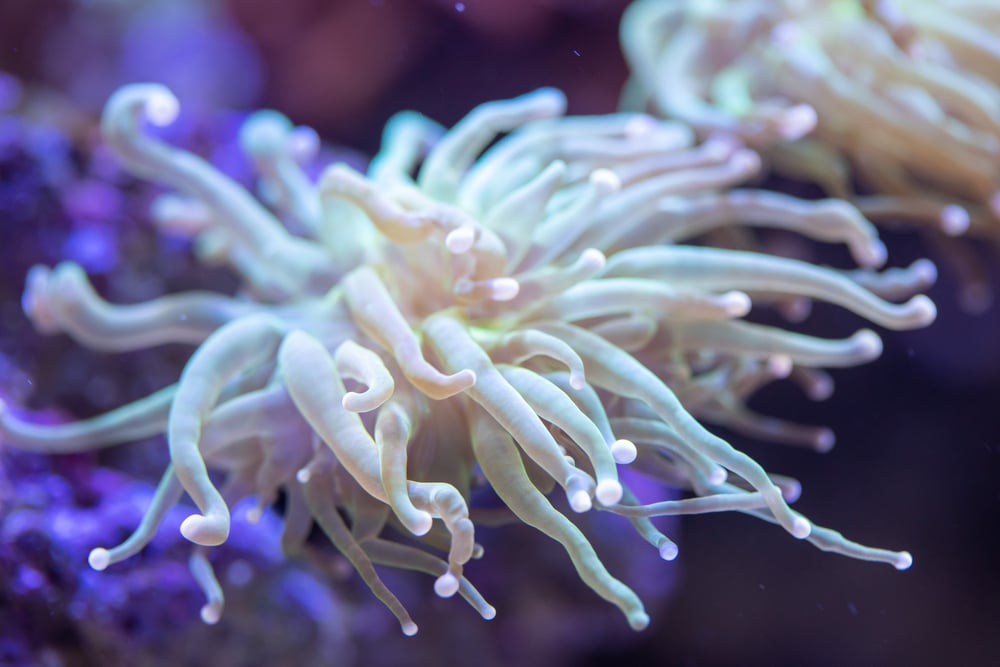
507 304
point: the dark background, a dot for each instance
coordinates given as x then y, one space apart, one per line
918 452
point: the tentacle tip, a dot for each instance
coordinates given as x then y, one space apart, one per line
717 475
204 530
461 240
824 441
874 254
351 401
254 515
624 451
668 551
780 365
638 620
264 132
551 102
605 180
409 628
821 389
421 524
580 502
365 401
211 613
465 379
577 380
904 559
792 491
801 528
303 143
735 304
926 271
746 161
99 559
609 492
869 344
504 289
797 122
955 219
489 612
161 106
593 259
303 475
924 310
446 585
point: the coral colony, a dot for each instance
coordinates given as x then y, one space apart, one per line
502 308
909 92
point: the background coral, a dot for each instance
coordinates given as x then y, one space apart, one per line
920 426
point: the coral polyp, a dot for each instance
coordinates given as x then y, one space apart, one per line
506 307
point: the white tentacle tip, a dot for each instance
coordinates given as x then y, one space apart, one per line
593 260
409 629
548 102
717 475
504 289
668 551
746 161
624 451
605 180
580 502
638 620
464 379
303 143
801 528
265 133
791 491
161 107
446 585
99 559
925 271
609 492
204 530
735 304
923 309
955 220
364 401
420 524
868 343
211 613
797 121
904 559
489 612
461 240
824 441
780 365
254 515
873 254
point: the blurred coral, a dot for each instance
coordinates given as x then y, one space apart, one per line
899 98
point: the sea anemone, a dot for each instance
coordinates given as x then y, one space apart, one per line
490 312
901 96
